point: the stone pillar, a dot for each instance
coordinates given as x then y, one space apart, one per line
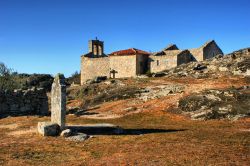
95 52
100 50
58 101
90 46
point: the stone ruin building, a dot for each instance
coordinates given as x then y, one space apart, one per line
171 56
168 58
133 62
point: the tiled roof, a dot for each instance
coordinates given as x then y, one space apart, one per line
131 51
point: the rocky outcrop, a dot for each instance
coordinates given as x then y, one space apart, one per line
154 92
24 102
78 137
231 104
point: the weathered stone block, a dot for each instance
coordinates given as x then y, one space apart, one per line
248 72
58 101
223 69
66 133
78 137
48 128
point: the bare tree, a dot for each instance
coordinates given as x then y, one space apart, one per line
7 81
4 70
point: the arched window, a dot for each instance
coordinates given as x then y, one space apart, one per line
95 50
99 50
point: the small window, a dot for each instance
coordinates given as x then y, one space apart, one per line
157 62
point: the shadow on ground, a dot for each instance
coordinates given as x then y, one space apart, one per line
109 129
78 112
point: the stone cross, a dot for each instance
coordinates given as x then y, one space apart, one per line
113 72
58 101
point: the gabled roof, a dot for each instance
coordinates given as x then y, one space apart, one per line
201 48
130 51
171 47
208 43
169 52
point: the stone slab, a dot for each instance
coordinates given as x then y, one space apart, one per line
48 128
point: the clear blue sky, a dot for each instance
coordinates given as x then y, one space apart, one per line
48 36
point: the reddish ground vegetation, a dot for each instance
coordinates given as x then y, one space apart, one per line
156 136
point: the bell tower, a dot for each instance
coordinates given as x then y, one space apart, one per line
96 47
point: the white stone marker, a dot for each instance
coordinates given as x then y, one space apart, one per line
58 101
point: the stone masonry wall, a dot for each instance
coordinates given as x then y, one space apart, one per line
93 67
211 51
124 65
184 57
207 52
162 62
24 102
197 53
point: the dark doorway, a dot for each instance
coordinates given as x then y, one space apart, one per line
144 65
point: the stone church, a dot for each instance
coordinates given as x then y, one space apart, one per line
171 56
133 62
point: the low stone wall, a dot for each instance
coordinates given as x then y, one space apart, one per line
24 102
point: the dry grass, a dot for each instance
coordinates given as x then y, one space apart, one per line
165 141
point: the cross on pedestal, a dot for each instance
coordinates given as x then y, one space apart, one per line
113 72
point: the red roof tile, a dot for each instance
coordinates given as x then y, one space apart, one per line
131 51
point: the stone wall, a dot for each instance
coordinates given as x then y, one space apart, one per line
207 51
160 63
211 50
124 65
93 67
184 57
197 53
24 102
